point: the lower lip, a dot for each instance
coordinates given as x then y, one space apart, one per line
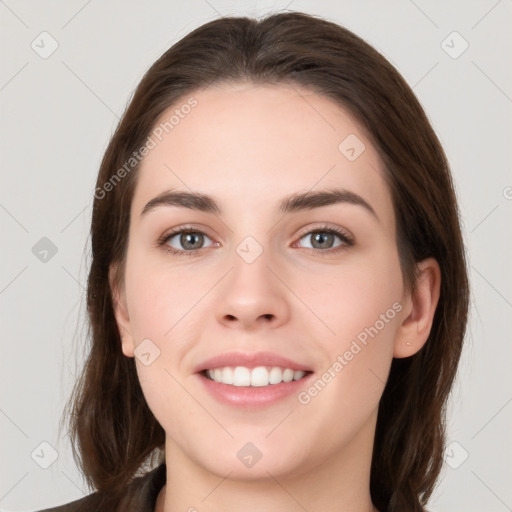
253 397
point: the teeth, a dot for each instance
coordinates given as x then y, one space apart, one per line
257 377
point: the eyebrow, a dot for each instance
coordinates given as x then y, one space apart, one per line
293 203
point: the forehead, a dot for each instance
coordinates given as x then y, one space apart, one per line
251 145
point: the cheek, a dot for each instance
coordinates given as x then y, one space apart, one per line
351 298
160 297
364 314
161 304
362 309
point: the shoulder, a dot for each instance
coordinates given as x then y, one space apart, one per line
89 503
140 496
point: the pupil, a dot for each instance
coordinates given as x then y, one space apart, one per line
187 239
321 238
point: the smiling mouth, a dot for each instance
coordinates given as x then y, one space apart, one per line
259 376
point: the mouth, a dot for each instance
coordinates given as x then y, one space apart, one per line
252 380
259 376
252 389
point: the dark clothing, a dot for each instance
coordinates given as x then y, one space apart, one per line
139 496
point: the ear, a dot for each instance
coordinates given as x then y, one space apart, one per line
419 308
121 312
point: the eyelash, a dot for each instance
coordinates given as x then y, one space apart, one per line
347 240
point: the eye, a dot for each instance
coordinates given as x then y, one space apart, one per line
324 239
184 241
187 241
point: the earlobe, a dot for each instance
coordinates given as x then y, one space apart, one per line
121 312
415 328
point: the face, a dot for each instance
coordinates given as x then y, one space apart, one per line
264 277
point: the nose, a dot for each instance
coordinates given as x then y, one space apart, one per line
252 296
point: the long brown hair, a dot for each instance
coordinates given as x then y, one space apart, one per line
113 432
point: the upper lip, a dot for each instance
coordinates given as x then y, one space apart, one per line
249 360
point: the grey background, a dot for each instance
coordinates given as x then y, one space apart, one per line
57 116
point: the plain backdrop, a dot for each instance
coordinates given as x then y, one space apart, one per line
68 71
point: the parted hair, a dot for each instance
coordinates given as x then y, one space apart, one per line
113 432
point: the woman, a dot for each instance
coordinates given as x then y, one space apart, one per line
278 291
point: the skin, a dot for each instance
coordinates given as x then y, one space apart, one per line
249 146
